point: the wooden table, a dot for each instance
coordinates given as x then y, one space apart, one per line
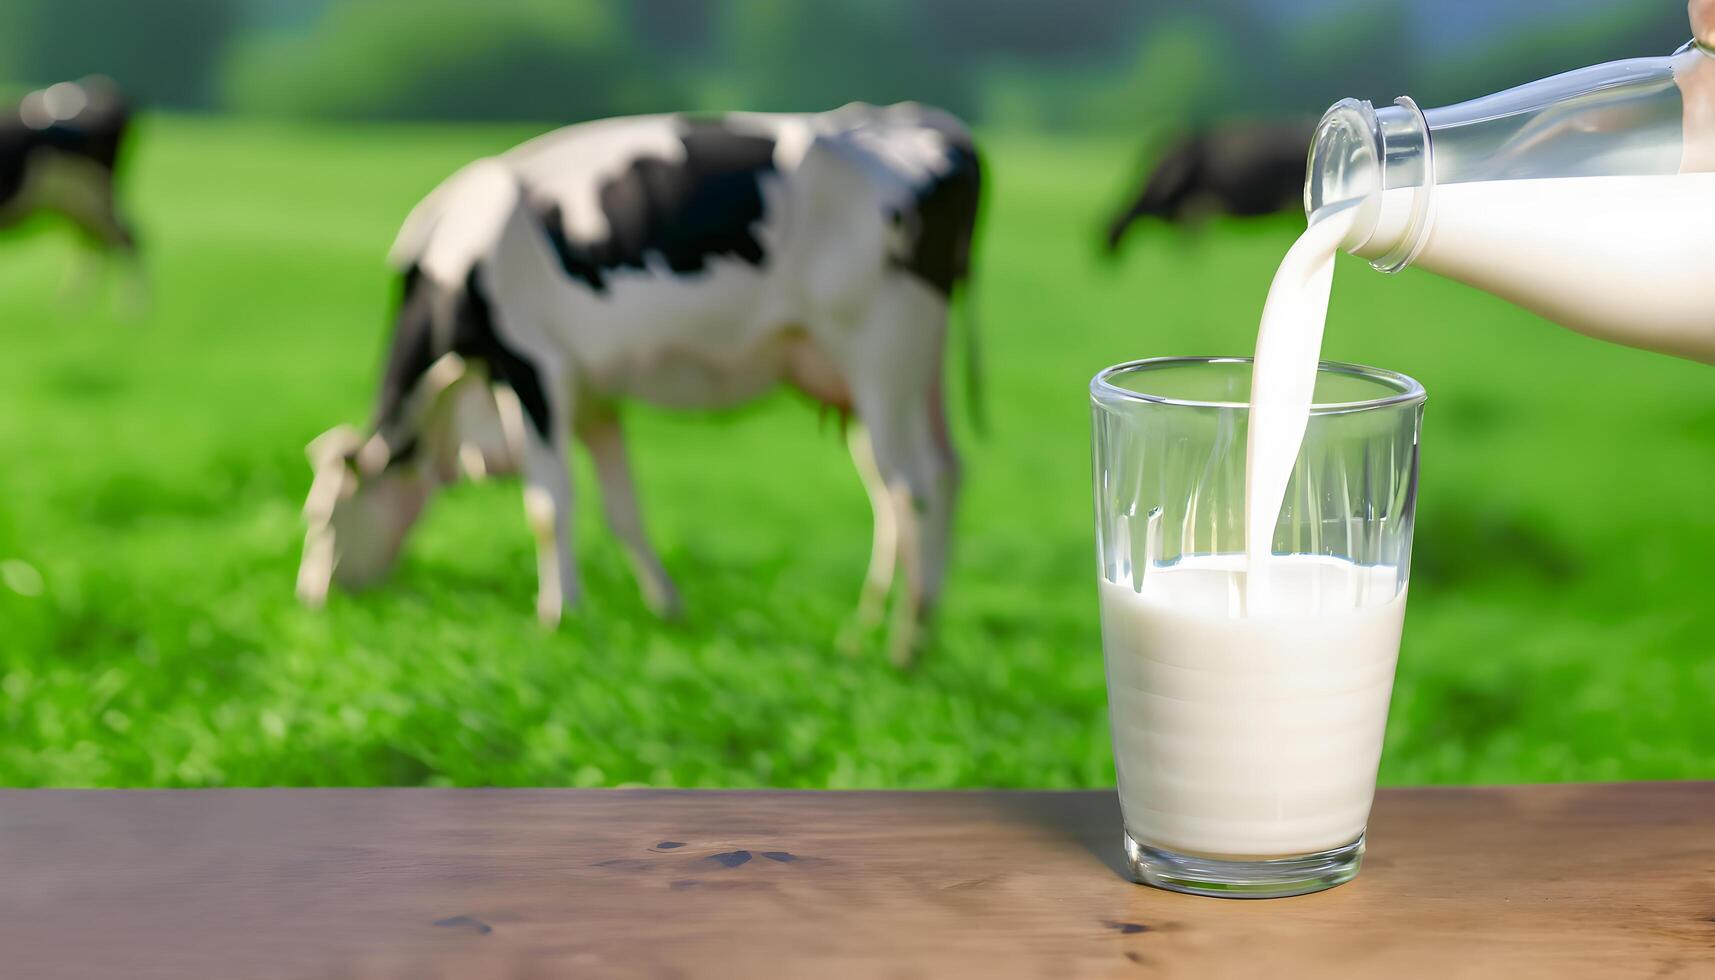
1551 881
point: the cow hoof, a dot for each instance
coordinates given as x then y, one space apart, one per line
549 613
872 608
862 637
910 637
902 648
665 604
852 638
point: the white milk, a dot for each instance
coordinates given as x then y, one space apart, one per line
1249 693
1250 735
1625 259
1288 345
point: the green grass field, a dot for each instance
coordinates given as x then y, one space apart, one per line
1562 618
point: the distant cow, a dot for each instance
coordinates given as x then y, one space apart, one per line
1239 168
59 148
688 262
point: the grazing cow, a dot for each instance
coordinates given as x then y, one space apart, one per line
1241 169
59 147
687 262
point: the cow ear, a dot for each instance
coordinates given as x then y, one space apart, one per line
339 441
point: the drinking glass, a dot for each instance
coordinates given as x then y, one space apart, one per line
1246 737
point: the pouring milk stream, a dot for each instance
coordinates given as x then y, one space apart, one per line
1581 197
1584 197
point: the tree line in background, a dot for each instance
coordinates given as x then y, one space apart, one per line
1047 64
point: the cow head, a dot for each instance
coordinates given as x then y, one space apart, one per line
1174 184
368 492
362 503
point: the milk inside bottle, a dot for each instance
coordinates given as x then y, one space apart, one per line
1587 197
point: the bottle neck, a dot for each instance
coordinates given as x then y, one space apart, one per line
1381 162
1640 116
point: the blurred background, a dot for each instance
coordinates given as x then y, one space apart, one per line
1560 625
1105 65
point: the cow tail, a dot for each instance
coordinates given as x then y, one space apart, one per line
975 403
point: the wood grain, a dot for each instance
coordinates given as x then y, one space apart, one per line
1549 881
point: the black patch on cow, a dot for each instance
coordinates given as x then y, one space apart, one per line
398 455
412 349
95 133
474 338
944 213
17 142
578 260
417 345
684 213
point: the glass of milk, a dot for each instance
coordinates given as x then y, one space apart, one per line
1247 721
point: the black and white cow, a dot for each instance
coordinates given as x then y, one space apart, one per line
691 263
59 148
1240 168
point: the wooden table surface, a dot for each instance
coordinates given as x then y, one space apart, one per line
1550 881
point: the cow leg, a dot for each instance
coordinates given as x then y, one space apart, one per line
922 483
134 299
942 466
606 444
80 275
83 192
920 499
109 228
545 467
897 396
483 447
89 203
884 548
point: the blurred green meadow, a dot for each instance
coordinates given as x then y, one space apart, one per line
1560 624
